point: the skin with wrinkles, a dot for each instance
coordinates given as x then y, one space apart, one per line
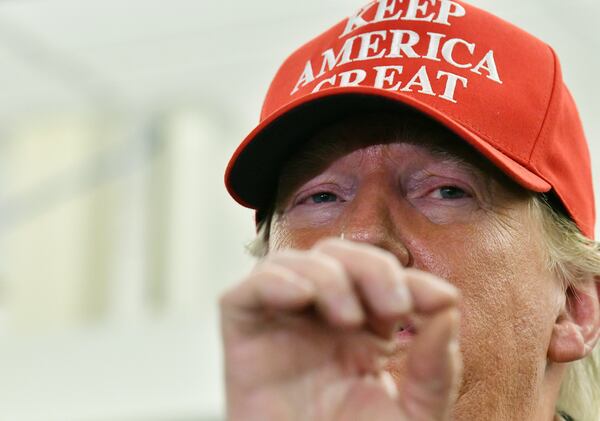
384 220
487 245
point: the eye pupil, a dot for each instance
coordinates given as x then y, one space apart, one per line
324 197
450 192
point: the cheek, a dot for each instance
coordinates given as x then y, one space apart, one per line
507 304
499 271
505 284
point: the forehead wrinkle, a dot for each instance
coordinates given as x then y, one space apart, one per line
448 157
383 129
443 155
332 143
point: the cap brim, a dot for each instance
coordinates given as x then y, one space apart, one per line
255 166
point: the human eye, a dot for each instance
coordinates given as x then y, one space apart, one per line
449 192
319 198
446 197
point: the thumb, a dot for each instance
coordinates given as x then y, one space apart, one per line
434 367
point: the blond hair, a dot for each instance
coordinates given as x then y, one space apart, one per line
575 260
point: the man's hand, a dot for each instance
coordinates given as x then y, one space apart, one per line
308 333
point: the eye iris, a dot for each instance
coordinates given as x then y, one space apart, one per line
324 197
450 192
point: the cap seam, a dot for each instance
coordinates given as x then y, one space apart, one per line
551 96
288 59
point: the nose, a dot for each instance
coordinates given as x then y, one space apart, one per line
375 216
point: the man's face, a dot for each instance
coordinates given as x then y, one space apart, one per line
424 196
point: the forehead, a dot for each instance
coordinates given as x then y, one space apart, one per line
360 131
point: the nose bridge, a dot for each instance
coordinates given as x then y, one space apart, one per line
373 218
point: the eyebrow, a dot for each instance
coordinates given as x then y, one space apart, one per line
445 155
311 159
460 155
440 143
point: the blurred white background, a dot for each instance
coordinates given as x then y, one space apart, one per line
117 119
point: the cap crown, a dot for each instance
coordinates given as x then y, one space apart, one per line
495 85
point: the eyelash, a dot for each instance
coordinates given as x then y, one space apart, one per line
304 199
465 192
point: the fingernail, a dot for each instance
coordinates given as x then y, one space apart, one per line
299 285
351 311
453 346
398 300
440 286
389 385
454 314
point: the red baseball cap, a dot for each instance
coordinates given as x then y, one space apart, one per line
494 85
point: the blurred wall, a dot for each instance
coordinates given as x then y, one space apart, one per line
116 233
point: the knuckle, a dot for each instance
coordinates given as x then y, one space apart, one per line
390 263
330 264
283 254
279 260
384 262
268 271
228 297
327 243
335 273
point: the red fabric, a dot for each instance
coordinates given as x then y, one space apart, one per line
514 107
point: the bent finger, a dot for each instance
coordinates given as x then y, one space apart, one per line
434 367
270 287
377 274
335 297
430 293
